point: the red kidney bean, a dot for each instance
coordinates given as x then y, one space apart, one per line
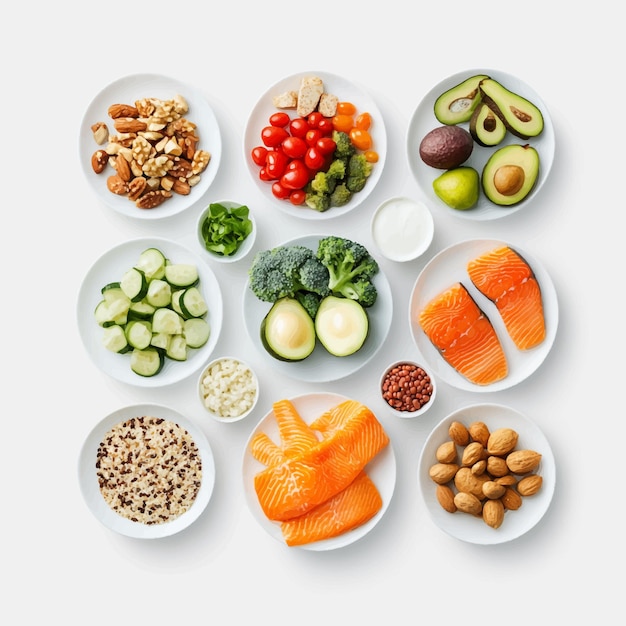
407 387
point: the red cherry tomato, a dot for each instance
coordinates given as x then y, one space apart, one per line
294 147
298 127
314 119
273 136
295 178
276 163
280 119
312 136
259 155
325 126
264 176
326 145
297 197
314 159
279 191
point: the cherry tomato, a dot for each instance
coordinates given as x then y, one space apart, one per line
326 145
279 191
264 176
314 159
312 136
297 197
314 119
346 108
371 156
280 119
361 139
273 136
276 163
363 121
258 155
298 127
295 178
294 147
325 126
343 122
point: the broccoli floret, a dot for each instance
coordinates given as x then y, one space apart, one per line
310 301
351 268
323 183
317 201
341 195
336 170
358 171
344 147
285 271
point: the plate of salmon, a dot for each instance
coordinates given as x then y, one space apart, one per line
484 314
319 471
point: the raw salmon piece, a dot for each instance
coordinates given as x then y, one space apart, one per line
264 450
295 434
504 277
300 483
349 509
464 336
332 420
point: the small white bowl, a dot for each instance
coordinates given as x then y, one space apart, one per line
402 229
405 401
228 389
244 247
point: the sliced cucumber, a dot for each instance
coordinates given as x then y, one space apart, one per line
152 261
105 317
192 303
167 321
141 310
114 339
181 274
176 300
160 340
159 293
134 284
196 331
109 286
117 301
148 362
139 333
177 348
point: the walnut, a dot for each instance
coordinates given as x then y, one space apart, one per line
181 168
142 150
123 139
200 161
157 166
145 107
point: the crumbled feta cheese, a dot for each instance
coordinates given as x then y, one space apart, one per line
229 388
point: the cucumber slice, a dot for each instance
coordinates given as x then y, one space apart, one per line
138 333
196 331
167 321
141 310
109 286
160 340
152 262
134 284
177 348
148 362
181 274
104 316
192 303
114 339
117 301
159 293
176 301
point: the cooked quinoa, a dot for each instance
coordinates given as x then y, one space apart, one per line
149 469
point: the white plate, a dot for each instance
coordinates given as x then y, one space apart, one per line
90 489
448 267
516 523
109 268
345 91
381 469
321 366
126 91
424 120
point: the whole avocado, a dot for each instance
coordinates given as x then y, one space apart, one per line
446 147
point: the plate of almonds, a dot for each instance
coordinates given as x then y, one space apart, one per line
150 146
487 474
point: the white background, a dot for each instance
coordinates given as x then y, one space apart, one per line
59 563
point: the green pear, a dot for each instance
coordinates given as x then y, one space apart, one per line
458 188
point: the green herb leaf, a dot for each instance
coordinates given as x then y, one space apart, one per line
224 229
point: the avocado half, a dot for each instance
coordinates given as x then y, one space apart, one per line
341 325
287 331
457 104
519 115
486 128
510 174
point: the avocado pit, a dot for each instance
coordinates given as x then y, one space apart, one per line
509 179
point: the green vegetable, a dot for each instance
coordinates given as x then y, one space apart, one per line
351 269
224 229
344 146
358 172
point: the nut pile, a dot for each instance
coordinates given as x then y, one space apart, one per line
483 473
154 151
407 387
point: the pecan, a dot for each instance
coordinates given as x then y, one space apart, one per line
129 125
181 168
122 110
99 160
181 187
136 187
153 199
117 186
100 132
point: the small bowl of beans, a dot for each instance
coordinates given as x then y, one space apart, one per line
408 388
228 389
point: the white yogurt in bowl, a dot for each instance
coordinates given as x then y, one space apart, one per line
402 229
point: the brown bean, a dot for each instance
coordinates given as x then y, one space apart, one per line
407 387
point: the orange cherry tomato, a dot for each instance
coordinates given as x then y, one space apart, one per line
363 121
343 122
371 156
361 139
346 108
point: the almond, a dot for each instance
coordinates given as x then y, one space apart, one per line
508 481
479 467
99 161
122 168
479 432
502 441
523 461
529 485
122 110
465 480
497 466
472 453
446 452
458 433
511 499
445 497
443 473
129 125
493 513
493 490
468 503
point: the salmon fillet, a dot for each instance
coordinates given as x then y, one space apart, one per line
464 336
504 277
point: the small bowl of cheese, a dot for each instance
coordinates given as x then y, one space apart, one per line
228 389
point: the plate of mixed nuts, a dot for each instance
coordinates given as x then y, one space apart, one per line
150 146
487 474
